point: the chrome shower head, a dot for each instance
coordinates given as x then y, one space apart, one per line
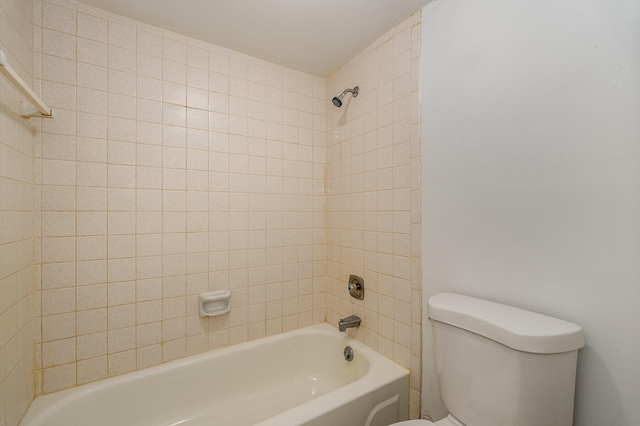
337 100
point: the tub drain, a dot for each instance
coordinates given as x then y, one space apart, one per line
348 353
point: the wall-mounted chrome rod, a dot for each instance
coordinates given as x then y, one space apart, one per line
28 111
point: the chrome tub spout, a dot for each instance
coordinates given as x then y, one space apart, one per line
349 322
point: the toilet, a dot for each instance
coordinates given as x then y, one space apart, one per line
502 366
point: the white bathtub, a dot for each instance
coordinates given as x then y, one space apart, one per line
294 378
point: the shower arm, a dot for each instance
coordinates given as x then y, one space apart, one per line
355 91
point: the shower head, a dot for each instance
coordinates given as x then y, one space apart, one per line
337 100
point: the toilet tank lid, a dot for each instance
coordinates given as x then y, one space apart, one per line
513 327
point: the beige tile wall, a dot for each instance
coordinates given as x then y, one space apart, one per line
373 187
18 300
173 167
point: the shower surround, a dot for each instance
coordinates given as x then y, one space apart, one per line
175 167
373 197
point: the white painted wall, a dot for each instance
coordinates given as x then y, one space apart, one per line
531 176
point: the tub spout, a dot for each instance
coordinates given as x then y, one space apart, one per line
349 322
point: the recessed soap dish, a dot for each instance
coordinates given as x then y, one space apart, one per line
214 303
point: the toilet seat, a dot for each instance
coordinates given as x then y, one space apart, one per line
447 421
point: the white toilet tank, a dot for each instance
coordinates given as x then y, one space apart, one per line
503 366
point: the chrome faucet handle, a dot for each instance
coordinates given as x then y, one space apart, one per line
356 287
